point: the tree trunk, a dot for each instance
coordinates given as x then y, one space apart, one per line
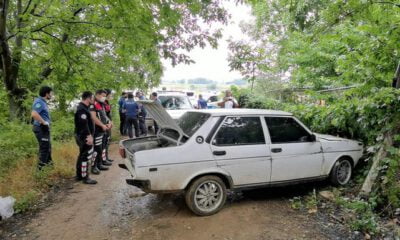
373 172
10 64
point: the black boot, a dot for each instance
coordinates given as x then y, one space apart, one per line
95 170
107 163
89 181
103 168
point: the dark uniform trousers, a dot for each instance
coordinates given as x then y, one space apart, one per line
42 134
122 123
135 123
106 144
98 149
142 125
84 158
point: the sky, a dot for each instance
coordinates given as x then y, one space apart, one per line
212 63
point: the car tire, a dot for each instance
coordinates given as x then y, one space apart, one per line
341 172
206 195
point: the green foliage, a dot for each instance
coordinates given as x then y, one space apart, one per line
16 142
365 219
326 43
26 201
63 126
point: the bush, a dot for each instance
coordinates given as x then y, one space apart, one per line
16 142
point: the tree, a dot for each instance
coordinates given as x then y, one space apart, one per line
75 45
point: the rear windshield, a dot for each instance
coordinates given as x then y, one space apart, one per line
190 122
175 102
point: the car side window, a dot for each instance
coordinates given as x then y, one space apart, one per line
240 131
286 130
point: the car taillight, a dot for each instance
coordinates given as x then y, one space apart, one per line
122 152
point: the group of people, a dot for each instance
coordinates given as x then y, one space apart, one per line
227 102
93 124
133 114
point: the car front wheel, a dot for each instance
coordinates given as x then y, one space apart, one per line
341 172
206 195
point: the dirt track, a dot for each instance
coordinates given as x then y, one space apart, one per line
114 210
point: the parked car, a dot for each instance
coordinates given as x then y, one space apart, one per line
209 151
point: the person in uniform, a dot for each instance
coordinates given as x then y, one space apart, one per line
142 114
131 109
101 120
41 125
107 138
154 97
201 103
122 121
84 130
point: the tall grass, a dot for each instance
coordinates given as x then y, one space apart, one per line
27 185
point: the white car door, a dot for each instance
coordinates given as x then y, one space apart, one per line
239 147
295 152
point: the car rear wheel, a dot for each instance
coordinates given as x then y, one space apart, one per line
341 172
206 195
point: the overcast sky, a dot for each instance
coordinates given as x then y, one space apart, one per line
212 63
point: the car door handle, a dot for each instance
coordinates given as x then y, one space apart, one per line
219 153
276 150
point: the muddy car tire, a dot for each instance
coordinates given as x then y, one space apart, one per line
341 172
206 195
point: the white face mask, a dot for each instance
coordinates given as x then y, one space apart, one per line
102 99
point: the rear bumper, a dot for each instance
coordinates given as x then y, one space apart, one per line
142 184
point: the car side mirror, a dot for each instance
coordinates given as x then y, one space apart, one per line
312 138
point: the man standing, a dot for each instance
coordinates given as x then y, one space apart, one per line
41 125
84 130
201 103
100 119
107 107
229 100
154 97
132 109
122 118
142 115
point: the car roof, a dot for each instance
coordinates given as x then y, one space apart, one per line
171 93
242 111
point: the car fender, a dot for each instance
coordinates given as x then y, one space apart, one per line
210 171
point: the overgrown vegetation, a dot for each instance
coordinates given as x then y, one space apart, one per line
305 53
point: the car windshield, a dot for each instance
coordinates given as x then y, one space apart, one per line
175 102
190 122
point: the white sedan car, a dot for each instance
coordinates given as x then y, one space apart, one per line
209 151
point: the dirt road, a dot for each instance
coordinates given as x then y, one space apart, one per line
114 210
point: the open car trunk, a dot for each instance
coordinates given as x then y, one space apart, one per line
170 133
145 143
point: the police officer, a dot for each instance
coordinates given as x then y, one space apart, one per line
41 125
154 97
131 109
107 107
122 124
142 115
84 130
100 119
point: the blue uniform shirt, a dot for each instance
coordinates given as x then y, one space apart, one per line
40 106
131 107
202 104
121 102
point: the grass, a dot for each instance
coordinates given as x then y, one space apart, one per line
27 185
